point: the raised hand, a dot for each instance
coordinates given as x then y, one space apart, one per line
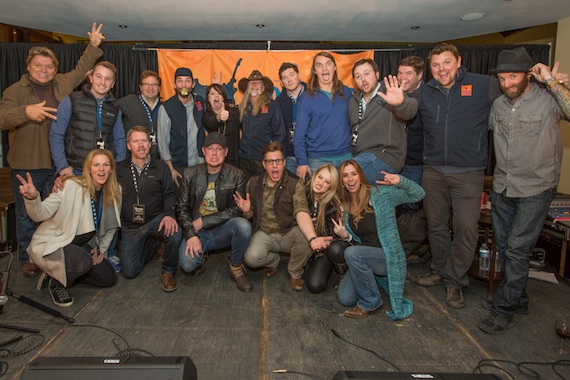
389 179
217 78
27 187
224 113
394 94
339 229
39 112
243 204
95 35
560 76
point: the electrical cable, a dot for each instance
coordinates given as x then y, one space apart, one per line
522 367
365 349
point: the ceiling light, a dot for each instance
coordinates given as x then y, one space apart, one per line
415 27
472 16
123 26
260 26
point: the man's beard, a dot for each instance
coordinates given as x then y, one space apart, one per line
521 87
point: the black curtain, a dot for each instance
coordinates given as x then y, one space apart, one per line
130 60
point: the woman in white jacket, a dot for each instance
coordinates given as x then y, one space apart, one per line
79 223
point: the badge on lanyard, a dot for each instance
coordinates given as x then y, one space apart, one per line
100 143
152 136
265 109
138 213
199 106
292 132
354 136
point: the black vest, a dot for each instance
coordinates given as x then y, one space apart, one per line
176 111
83 130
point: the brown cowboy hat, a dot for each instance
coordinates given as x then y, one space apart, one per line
256 75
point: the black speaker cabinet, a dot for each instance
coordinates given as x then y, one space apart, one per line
113 368
363 375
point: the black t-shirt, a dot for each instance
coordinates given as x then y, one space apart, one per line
366 230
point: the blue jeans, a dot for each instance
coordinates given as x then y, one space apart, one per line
372 166
138 245
25 227
235 233
359 286
415 173
291 164
517 223
315 163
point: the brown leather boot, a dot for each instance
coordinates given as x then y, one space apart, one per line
30 269
237 273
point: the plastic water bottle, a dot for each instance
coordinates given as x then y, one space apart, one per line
484 257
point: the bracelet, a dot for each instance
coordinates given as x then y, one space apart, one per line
349 238
552 82
311 239
249 213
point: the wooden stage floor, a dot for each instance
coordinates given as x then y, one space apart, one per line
232 335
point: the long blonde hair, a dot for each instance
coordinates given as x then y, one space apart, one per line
111 188
330 196
262 99
362 196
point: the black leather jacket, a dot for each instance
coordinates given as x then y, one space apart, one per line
193 188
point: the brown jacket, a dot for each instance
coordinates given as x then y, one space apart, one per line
29 140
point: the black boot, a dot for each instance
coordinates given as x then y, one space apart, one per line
340 270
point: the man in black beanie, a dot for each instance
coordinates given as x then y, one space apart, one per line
180 130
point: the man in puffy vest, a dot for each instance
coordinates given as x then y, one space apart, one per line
87 120
180 130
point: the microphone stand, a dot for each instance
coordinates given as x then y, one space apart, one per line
40 306
5 291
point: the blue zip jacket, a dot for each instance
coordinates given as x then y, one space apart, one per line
456 124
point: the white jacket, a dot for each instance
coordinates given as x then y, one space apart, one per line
65 215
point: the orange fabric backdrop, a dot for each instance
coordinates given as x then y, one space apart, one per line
204 63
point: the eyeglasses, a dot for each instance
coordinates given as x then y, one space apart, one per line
212 149
150 84
278 161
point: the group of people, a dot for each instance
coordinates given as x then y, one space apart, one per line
316 173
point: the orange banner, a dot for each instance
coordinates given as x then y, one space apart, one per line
235 65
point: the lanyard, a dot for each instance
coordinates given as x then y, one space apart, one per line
97 214
150 114
135 183
294 104
99 118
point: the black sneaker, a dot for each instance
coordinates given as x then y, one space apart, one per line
521 309
43 281
495 324
59 294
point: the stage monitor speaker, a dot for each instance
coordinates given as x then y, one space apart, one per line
111 368
363 375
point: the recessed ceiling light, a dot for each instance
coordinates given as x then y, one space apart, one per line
123 26
472 16
260 26
415 27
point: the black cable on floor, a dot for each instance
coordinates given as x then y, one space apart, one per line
522 367
365 349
